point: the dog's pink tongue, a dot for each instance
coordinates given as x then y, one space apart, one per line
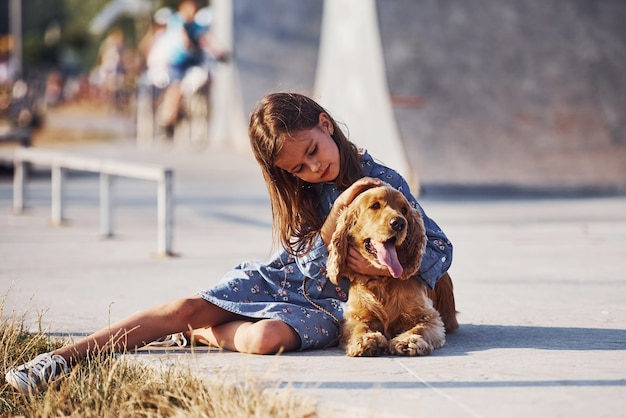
387 256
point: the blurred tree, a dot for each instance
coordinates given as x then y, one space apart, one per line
55 29
38 18
4 17
55 32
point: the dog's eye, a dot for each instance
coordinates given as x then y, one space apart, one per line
404 210
375 206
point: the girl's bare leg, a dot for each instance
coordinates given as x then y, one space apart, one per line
267 336
149 325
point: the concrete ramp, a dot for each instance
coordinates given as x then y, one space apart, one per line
523 93
488 94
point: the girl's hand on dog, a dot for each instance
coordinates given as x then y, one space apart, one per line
344 199
361 265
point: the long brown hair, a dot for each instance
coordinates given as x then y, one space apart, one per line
295 203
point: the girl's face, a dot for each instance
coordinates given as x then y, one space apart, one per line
311 154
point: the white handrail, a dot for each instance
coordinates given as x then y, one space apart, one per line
108 169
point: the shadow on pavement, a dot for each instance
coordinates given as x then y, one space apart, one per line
470 338
454 384
486 192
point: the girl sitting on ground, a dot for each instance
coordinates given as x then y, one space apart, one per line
312 171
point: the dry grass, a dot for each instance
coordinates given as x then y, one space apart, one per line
107 386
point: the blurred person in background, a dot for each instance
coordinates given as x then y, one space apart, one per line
157 29
109 72
185 43
7 61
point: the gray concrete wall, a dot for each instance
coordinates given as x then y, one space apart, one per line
487 93
528 92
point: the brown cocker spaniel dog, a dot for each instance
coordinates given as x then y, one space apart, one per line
388 315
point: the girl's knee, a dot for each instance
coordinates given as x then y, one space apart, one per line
270 337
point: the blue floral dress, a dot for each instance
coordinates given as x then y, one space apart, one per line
296 290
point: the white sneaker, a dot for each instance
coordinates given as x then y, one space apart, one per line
170 341
37 373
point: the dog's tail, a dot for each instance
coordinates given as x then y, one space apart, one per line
443 302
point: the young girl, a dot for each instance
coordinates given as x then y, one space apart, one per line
312 171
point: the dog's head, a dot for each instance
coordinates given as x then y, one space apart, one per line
381 224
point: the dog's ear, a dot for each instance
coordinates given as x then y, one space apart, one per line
339 244
410 252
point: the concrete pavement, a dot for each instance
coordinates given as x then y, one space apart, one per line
540 283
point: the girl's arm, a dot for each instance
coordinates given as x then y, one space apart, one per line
436 259
437 256
313 264
344 199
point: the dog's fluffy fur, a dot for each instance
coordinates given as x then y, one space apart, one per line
388 315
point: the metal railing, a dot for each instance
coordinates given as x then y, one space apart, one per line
60 162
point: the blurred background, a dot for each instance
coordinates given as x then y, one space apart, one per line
489 96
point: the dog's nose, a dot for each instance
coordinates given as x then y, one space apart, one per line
398 224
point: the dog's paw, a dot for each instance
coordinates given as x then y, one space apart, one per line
370 344
410 345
